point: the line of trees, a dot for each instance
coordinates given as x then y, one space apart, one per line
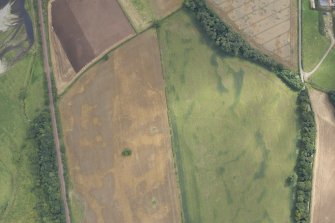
231 43
304 166
45 170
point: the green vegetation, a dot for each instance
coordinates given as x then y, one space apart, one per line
28 188
324 77
232 44
331 96
17 202
126 152
304 167
49 204
234 130
140 14
314 44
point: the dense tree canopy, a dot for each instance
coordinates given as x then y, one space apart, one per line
47 188
231 43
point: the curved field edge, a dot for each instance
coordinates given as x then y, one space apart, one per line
209 94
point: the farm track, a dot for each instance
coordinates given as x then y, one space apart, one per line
52 112
306 75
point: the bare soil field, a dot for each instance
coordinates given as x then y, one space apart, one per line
270 26
82 33
323 196
118 104
143 12
62 68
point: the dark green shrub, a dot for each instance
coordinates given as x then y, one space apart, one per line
331 96
126 152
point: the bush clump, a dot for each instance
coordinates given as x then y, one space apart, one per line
126 152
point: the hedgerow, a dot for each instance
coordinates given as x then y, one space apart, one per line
47 187
304 166
231 43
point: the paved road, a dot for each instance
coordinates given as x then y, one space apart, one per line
52 112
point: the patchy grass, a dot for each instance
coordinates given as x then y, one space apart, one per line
314 45
324 77
22 95
234 130
17 201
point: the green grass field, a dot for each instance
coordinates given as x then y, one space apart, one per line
324 77
21 95
314 45
139 12
234 131
16 198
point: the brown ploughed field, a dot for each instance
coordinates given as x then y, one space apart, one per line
118 104
87 28
323 197
269 25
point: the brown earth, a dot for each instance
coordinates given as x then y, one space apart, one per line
61 66
270 26
323 195
121 104
87 28
152 10
163 8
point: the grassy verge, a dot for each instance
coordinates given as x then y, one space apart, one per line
139 12
234 130
314 44
324 77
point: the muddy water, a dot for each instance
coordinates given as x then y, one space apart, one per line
19 9
19 32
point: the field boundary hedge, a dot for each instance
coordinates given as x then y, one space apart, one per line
232 44
305 160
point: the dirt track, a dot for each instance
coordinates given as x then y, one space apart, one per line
323 196
117 104
82 33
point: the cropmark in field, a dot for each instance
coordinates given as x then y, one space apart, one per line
271 26
234 130
118 107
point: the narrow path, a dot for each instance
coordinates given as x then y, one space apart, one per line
52 112
306 75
